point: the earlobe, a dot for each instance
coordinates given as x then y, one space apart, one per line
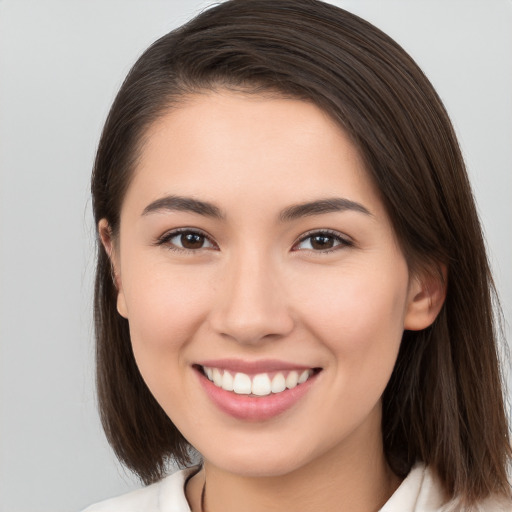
121 304
107 241
426 298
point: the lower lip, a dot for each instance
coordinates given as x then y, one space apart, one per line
252 408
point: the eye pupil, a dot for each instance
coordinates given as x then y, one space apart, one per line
322 242
192 240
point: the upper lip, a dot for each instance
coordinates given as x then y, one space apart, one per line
252 367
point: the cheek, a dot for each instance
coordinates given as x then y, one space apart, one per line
159 297
358 315
165 310
359 319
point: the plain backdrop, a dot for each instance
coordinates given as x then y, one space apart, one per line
61 63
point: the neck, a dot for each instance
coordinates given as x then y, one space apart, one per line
348 477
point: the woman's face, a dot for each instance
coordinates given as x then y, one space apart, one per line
254 248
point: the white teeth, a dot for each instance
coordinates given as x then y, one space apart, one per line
258 385
303 377
261 385
242 384
227 381
217 377
292 380
278 383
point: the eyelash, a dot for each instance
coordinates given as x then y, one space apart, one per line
342 240
165 239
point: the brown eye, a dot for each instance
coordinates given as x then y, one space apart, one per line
322 242
186 241
192 240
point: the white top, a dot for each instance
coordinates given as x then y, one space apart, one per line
419 492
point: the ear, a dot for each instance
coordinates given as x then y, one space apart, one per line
427 293
110 248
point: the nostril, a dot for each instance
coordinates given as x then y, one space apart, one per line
251 305
252 327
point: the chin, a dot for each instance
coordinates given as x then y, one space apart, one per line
258 462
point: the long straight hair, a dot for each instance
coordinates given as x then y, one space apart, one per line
444 404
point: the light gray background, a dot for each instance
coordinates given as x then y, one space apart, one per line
61 63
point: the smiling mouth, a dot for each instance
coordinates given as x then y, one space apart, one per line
260 384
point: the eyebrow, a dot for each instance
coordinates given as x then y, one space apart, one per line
318 207
321 206
184 204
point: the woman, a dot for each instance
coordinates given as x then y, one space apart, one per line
291 277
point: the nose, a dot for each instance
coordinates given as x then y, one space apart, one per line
251 304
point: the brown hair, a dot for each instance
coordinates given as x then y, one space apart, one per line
444 403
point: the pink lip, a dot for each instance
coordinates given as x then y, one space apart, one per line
252 367
252 408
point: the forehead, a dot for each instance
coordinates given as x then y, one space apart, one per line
227 145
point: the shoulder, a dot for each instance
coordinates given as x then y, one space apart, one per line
491 504
168 494
421 491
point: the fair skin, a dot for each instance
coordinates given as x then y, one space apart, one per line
249 285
